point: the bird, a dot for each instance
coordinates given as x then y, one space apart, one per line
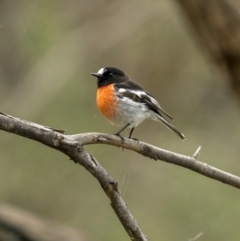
125 103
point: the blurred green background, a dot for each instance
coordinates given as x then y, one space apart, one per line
48 50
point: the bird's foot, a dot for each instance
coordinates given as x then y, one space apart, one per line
118 134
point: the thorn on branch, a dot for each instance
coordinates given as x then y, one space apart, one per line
197 152
196 237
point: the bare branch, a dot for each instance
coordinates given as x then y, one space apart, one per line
157 153
72 145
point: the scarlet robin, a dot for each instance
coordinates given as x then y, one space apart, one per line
125 103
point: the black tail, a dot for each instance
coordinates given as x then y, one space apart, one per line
171 127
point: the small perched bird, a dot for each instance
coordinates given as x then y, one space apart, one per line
125 103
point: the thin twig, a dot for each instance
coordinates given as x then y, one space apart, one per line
195 155
196 237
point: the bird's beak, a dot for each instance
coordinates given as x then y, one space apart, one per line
96 75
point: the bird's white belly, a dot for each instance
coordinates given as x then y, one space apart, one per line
130 112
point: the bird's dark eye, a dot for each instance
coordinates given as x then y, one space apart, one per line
108 73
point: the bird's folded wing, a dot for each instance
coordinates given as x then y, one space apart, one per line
135 92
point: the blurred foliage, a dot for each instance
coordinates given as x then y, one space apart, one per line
48 49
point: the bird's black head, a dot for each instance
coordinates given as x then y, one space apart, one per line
109 75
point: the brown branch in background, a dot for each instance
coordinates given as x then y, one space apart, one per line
17 224
72 145
217 23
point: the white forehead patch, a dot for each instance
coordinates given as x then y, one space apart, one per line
101 71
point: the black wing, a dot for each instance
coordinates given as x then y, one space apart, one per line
135 92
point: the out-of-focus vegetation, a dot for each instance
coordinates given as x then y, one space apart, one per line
48 50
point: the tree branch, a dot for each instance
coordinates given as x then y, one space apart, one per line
72 145
17 224
69 146
217 23
157 153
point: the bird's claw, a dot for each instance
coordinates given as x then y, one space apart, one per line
117 134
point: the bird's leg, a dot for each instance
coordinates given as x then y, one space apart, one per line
121 130
130 134
135 139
